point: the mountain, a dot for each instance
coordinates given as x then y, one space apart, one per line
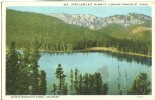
96 23
54 33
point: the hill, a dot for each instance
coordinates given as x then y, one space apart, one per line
54 34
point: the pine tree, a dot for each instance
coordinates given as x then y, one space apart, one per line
60 75
140 85
85 84
65 89
69 47
34 65
76 81
12 69
24 74
80 89
91 84
42 85
64 85
98 83
54 89
104 89
72 82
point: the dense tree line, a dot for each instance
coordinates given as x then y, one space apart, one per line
92 84
22 74
87 84
55 35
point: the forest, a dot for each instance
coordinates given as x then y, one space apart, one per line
57 36
21 67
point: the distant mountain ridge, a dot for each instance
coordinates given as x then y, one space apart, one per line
96 23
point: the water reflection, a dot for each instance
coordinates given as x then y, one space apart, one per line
104 72
120 57
130 58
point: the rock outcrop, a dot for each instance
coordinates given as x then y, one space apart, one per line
95 23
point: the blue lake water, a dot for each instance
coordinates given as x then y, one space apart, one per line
93 62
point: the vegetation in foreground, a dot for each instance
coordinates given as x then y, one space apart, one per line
24 78
22 74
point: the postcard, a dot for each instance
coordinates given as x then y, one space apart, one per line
77 50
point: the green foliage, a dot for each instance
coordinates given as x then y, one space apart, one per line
23 67
34 65
56 35
105 88
85 84
42 83
93 85
76 80
12 69
24 74
89 84
62 85
65 89
72 81
98 83
140 85
54 89
26 25
80 85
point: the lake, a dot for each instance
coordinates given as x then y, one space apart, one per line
106 63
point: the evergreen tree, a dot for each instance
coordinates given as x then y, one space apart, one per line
85 84
60 75
140 85
24 74
12 69
64 85
76 81
72 82
42 85
54 89
34 65
98 83
23 67
91 84
105 88
69 47
80 89
65 89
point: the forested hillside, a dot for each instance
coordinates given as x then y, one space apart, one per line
56 35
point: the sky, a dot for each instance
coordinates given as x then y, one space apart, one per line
97 11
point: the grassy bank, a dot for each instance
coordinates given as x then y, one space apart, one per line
111 49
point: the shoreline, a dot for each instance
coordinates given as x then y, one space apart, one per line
95 49
98 49
114 50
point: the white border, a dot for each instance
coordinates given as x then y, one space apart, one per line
0 52
76 97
